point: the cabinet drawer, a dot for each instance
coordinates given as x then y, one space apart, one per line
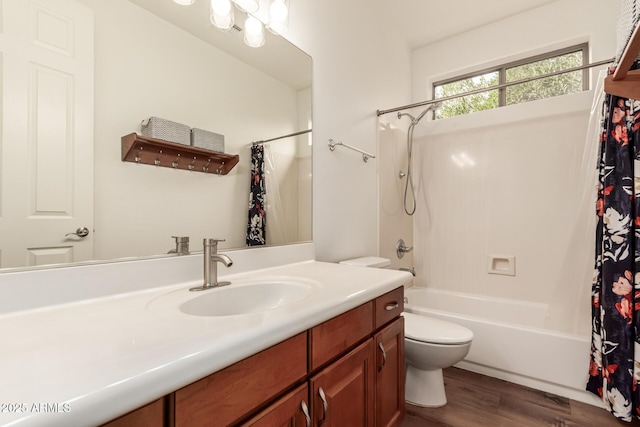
234 392
329 339
389 306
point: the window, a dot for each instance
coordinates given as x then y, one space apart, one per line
505 78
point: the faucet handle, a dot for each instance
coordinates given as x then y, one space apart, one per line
212 241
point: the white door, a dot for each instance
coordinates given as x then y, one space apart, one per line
46 149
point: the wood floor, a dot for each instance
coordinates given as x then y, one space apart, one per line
475 400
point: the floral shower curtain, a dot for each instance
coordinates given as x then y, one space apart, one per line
257 218
615 344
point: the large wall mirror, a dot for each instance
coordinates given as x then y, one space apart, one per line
77 75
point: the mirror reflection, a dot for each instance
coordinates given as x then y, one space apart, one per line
92 71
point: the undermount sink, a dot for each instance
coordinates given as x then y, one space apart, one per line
244 298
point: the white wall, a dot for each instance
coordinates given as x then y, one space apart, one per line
359 67
522 196
555 25
141 62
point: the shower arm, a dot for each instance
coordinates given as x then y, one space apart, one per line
365 156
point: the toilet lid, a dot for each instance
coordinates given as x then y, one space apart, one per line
436 331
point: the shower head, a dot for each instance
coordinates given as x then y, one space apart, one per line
415 120
405 114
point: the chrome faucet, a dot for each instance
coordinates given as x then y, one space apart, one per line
211 260
182 245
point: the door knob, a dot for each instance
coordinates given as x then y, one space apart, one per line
80 232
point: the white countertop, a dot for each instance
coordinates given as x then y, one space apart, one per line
87 362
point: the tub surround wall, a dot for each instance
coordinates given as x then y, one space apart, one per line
521 196
518 200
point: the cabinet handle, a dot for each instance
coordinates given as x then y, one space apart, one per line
384 356
305 411
392 306
325 405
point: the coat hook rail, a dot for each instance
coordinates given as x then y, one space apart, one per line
365 156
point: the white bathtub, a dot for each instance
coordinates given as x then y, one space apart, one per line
510 342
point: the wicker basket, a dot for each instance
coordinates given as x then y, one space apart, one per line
207 140
166 130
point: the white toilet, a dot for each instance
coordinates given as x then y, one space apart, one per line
430 345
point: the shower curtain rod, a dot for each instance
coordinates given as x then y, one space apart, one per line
500 86
281 137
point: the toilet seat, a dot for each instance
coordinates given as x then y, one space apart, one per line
434 331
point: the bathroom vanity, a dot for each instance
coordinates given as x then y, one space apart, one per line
347 371
338 351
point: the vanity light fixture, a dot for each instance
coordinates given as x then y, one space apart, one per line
272 14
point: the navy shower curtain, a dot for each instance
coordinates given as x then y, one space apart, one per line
257 218
615 343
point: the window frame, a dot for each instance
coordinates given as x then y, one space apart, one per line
502 72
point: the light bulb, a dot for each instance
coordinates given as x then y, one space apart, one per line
253 32
278 17
249 6
184 2
221 15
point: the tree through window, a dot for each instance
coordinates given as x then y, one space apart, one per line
530 89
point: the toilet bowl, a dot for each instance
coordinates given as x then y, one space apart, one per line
430 345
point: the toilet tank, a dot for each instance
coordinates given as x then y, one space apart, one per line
369 261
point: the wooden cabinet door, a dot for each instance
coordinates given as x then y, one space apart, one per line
390 375
343 392
291 410
151 415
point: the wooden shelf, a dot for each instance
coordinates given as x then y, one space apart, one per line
150 151
623 82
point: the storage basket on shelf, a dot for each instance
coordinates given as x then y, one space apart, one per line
158 128
208 140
